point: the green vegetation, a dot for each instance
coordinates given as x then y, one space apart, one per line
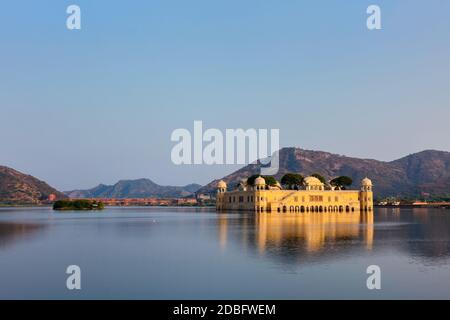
271 181
342 182
78 205
320 177
292 180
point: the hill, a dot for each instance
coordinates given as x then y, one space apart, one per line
140 188
423 174
20 188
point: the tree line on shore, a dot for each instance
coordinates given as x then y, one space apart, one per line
294 181
80 204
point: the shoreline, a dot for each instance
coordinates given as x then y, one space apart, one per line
420 206
130 206
404 206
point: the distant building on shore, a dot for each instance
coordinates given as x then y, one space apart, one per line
313 198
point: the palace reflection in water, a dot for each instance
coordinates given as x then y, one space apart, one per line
422 233
313 230
307 232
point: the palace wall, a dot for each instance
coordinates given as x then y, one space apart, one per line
295 201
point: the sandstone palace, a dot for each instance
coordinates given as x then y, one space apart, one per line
313 197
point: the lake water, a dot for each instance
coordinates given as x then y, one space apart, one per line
175 253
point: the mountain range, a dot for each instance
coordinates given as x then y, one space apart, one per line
419 175
422 174
140 188
17 187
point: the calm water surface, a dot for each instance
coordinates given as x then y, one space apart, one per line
172 253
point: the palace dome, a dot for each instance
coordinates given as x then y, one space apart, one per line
366 182
260 181
312 181
222 184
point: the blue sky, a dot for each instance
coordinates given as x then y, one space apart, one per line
78 108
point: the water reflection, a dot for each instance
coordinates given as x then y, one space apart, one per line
11 233
313 231
434 231
175 253
294 236
423 234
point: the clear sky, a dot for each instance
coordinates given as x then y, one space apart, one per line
79 108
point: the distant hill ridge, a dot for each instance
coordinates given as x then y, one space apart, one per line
140 188
416 175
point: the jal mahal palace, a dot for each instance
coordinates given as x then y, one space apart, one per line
314 197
